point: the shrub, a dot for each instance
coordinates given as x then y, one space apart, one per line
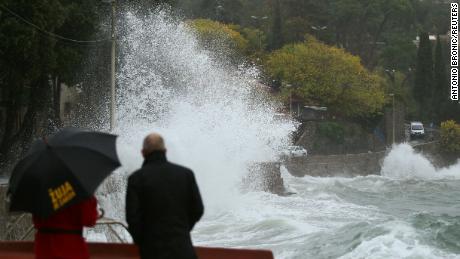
450 136
332 131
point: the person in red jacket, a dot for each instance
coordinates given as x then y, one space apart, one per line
60 235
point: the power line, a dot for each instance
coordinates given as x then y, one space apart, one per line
54 35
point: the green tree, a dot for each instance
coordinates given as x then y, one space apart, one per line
257 40
432 15
206 9
230 11
27 58
329 76
399 52
80 23
35 56
379 31
332 130
361 25
441 93
423 87
295 29
276 36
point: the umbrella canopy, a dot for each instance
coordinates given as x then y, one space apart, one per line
62 170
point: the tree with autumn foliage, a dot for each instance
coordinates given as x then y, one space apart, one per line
328 76
218 36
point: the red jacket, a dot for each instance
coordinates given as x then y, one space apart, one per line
65 245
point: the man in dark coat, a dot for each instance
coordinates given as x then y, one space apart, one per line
163 204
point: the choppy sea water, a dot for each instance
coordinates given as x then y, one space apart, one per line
398 215
364 217
395 215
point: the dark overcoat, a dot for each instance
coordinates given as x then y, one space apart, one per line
163 203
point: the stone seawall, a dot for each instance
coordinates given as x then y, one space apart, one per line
360 164
336 165
434 153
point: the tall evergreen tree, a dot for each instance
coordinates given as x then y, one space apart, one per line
276 38
441 95
423 88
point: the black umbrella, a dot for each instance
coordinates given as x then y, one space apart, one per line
62 170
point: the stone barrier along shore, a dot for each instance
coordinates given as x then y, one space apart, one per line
362 164
434 153
336 165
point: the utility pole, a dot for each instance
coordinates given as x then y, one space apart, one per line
258 20
112 80
391 74
290 98
393 117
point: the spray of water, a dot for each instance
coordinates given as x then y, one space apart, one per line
214 117
403 162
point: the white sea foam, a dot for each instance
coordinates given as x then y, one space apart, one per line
403 162
400 241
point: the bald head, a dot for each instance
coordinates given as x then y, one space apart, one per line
153 142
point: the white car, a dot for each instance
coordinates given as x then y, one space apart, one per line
416 129
294 151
